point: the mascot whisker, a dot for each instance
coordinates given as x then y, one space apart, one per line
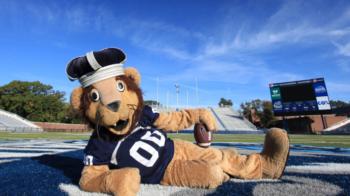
130 146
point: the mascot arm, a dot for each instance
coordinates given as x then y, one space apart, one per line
125 181
179 120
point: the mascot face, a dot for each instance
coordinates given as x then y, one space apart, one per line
114 103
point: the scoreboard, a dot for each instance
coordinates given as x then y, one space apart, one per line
301 97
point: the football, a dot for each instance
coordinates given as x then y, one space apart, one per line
202 136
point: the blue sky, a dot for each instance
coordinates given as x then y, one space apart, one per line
231 49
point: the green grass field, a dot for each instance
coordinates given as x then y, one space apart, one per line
312 140
44 135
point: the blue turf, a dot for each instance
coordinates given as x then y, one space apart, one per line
42 175
294 148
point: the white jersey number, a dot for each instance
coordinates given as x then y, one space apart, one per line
159 141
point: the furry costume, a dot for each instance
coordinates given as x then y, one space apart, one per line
129 143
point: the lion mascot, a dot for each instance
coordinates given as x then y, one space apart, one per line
129 144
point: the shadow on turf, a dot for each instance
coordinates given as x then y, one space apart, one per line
40 175
71 167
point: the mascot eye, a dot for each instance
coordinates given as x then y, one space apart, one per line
120 86
94 95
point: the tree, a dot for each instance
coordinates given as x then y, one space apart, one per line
259 112
267 117
71 115
33 100
338 104
225 102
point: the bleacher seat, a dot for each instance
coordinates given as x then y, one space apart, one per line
231 120
13 122
342 127
227 119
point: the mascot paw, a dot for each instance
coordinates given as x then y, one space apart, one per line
208 119
125 181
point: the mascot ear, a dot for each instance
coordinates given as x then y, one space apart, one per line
133 74
75 99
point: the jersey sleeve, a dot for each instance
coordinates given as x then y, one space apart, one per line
148 116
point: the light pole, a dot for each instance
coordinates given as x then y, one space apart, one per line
177 86
196 92
167 99
187 98
158 91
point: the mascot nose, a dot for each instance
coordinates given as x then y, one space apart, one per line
114 106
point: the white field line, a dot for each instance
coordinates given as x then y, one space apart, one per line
40 150
28 142
44 142
320 168
71 190
20 155
8 160
31 154
145 190
259 180
48 145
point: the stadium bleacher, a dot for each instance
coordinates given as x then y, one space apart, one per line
228 119
342 127
13 122
231 120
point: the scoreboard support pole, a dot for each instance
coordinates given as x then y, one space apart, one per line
323 122
285 123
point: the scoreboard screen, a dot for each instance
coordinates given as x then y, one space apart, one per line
300 97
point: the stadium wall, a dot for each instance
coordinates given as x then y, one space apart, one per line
309 123
329 121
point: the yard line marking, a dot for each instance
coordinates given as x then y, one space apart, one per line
8 160
320 168
21 155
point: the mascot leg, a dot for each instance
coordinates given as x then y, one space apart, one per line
194 173
270 163
194 166
124 181
275 153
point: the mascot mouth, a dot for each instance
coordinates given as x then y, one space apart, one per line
120 124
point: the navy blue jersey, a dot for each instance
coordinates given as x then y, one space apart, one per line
146 148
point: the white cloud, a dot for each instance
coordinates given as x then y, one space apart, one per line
286 26
340 32
224 56
162 38
343 49
243 72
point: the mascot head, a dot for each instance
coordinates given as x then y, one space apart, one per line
109 96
